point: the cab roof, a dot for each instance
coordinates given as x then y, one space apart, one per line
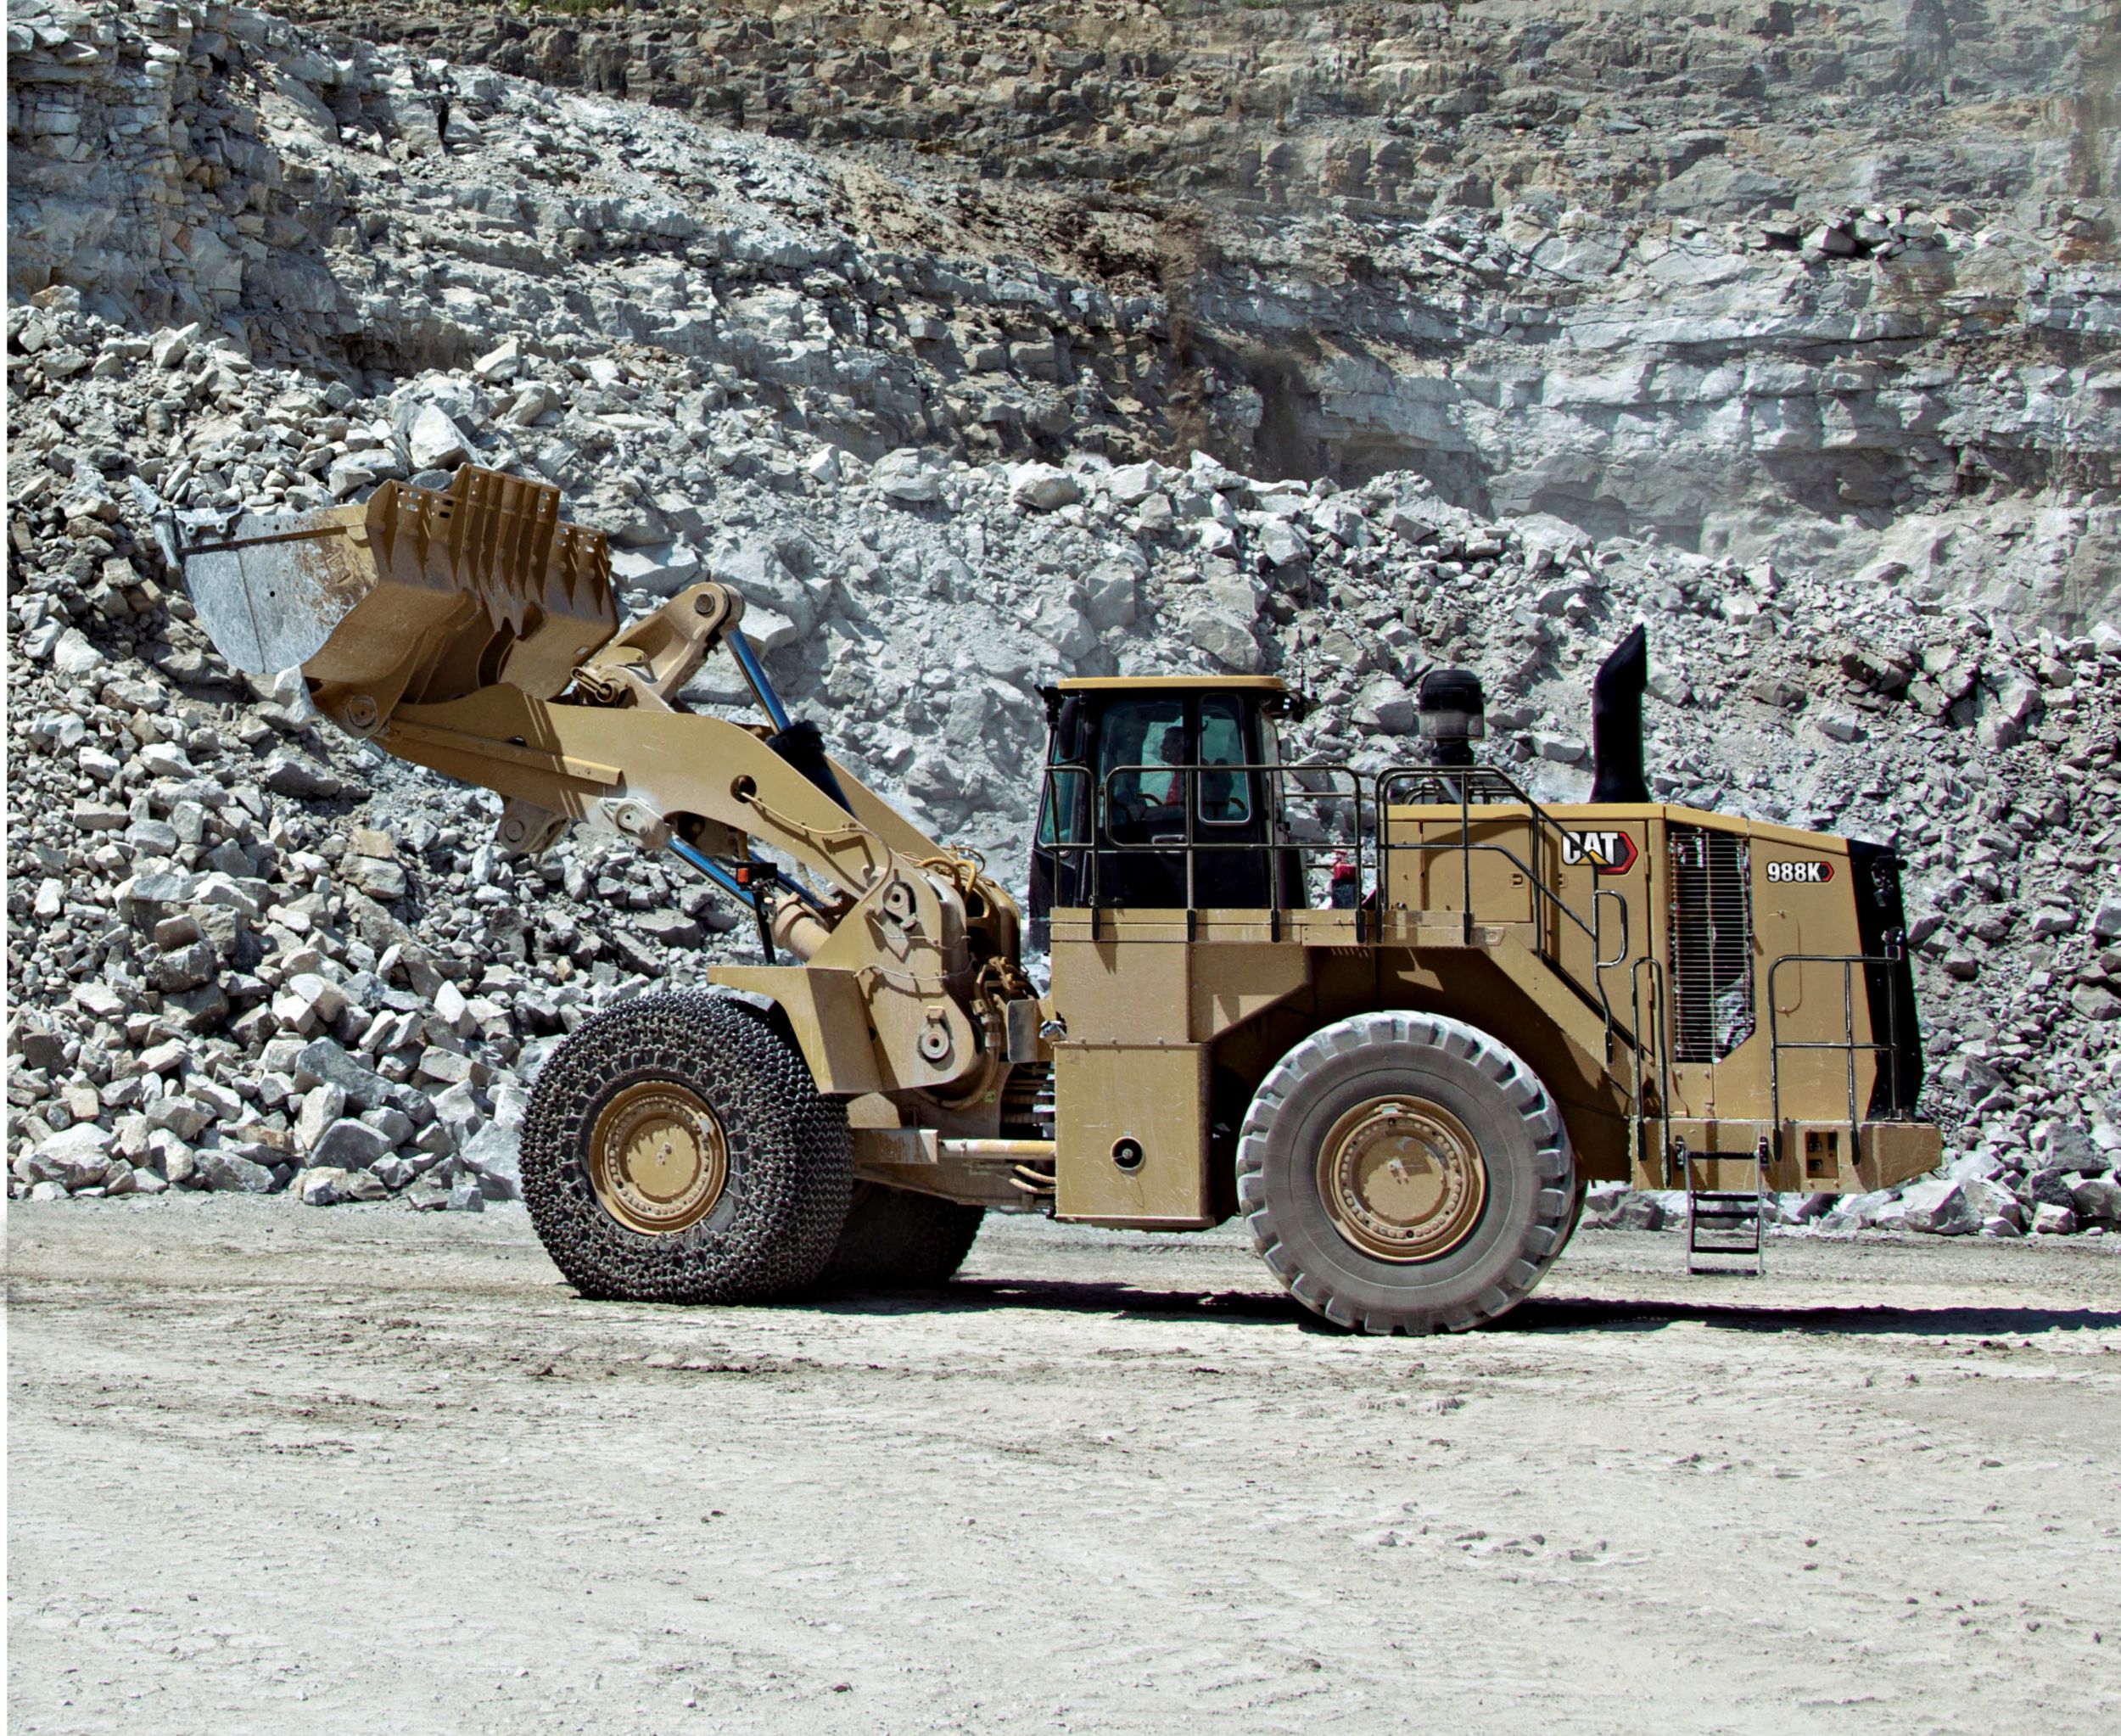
1120 684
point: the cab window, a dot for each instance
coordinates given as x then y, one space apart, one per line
1226 797
1140 736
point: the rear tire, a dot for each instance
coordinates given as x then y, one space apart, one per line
750 1208
897 1240
1406 1173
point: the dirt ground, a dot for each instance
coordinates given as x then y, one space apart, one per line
273 1469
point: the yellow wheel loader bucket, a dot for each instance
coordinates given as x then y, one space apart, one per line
419 596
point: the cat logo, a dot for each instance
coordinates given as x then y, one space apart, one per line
1608 852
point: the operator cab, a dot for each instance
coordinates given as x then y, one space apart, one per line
1161 794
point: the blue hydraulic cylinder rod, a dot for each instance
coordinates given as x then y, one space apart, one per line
721 877
799 744
743 894
728 883
755 674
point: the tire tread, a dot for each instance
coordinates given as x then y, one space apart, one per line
897 1239
791 1159
1553 1162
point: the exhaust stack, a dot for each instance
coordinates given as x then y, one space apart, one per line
1616 721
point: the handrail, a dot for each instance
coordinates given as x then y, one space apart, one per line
1663 1048
1600 965
1890 1049
1366 832
1620 957
1538 816
1457 785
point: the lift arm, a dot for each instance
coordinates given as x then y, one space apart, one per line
475 633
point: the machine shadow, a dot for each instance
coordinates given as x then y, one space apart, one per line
1068 1296
1568 1314
966 1296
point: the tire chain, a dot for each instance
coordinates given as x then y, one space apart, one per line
789 1154
897 1239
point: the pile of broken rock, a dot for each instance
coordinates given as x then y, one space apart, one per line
249 954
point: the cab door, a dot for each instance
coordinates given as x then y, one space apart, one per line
1157 800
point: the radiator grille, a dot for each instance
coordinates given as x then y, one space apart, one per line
1711 943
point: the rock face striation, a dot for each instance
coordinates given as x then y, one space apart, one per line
1828 288
257 266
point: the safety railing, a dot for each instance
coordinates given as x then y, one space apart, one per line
1889 1052
1477 786
1189 834
1355 824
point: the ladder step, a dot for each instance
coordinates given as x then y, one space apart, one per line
1726 1234
1726 1228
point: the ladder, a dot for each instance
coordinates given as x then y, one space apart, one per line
1726 1231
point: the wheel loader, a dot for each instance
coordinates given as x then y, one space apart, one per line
1396 1020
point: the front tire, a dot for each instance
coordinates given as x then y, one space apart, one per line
1406 1173
676 1149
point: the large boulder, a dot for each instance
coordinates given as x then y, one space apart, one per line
434 441
223 1173
1942 1207
2097 1200
349 1144
323 1062
1043 487
490 1156
74 1157
905 476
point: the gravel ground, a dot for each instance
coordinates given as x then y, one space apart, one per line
272 1470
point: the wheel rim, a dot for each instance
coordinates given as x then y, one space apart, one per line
1402 1178
658 1158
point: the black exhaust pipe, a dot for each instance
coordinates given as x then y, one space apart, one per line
1616 721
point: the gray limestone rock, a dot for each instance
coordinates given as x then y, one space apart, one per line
2097 1200
319 1187
379 879
74 1157
905 476
348 1144
490 1156
1043 487
434 441
224 1173
1943 1207
324 1062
